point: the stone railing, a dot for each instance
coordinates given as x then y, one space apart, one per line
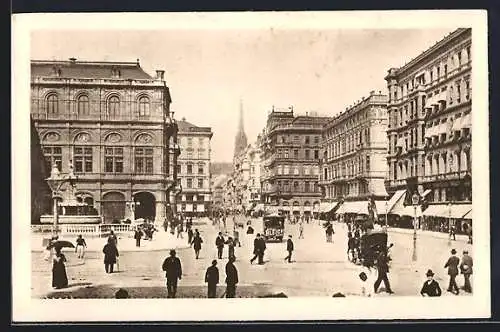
88 230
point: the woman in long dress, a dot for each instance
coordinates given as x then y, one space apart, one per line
59 276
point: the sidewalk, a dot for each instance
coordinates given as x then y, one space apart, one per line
161 241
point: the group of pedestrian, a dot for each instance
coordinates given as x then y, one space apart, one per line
464 266
173 273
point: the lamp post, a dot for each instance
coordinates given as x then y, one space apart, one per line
415 198
55 182
449 224
386 211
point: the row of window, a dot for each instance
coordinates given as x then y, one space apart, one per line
190 154
296 170
434 73
348 168
83 106
284 153
348 144
432 165
349 189
188 142
354 122
296 139
113 159
297 186
190 169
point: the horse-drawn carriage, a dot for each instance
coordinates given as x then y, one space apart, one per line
368 247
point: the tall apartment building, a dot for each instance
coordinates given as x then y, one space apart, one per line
193 169
354 151
291 156
429 130
247 177
111 123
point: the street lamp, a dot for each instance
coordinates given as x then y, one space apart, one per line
449 224
415 198
386 211
55 182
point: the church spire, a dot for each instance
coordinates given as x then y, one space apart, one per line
240 142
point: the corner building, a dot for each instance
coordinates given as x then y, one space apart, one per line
112 122
291 156
429 130
354 149
193 169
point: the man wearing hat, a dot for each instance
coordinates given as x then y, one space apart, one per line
173 272
212 278
466 269
289 248
231 278
452 265
431 286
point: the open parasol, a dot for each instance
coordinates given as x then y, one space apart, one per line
61 244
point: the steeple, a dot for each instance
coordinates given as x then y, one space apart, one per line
240 142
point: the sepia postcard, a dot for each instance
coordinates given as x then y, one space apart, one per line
246 166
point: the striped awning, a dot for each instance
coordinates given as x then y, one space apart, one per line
398 196
456 211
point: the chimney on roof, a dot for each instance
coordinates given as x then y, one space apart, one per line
160 74
72 60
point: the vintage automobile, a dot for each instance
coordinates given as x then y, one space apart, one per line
273 227
372 243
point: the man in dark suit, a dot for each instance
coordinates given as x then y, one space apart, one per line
289 248
173 272
431 287
262 249
382 269
231 278
212 278
452 265
466 269
219 243
256 246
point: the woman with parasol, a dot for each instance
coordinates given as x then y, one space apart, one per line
59 276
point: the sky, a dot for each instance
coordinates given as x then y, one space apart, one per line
210 71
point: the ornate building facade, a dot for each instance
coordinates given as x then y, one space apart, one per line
111 122
354 151
429 130
246 177
193 169
291 156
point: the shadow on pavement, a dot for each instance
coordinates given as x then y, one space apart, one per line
108 292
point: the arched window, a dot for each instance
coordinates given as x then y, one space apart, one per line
113 107
83 105
144 107
52 104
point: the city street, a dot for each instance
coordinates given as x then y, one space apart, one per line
318 268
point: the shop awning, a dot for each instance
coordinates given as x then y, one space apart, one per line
354 207
410 211
468 215
284 208
456 211
272 209
398 196
325 207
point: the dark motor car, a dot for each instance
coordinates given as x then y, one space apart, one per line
274 227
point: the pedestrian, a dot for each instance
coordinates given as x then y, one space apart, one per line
113 238
179 231
80 246
49 249
301 230
262 249
190 236
329 232
452 233
452 265
469 233
289 248
351 246
230 247
173 273
219 243
365 288
431 287
137 237
110 254
256 248
231 278
212 278
59 276
197 241
382 270
466 269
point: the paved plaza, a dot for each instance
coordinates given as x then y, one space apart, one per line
318 268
